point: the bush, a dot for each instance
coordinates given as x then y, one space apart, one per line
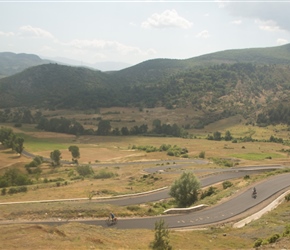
15 190
287 197
85 170
12 190
227 184
161 239
103 174
209 192
274 238
201 155
133 208
258 243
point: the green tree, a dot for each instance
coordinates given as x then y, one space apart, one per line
228 136
185 189
161 239
55 156
5 136
17 145
75 152
217 136
13 177
125 131
104 127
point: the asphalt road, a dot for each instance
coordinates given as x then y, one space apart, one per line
237 205
212 215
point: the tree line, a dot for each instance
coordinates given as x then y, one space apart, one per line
64 125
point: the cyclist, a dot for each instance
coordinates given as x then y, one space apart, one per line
112 217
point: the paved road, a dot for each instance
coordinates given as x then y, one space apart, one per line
218 175
216 214
237 205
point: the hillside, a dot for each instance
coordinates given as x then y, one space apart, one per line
52 86
11 63
218 85
157 69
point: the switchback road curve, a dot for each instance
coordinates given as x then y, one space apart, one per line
238 205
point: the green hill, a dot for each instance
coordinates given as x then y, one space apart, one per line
11 63
155 70
51 85
218 85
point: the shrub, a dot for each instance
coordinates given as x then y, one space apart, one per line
287 197
85 170
12 190
274 238
258 243
201 155
103 174
161 239
15 190
133 208
209 192
227 184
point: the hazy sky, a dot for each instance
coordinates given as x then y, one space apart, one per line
135 31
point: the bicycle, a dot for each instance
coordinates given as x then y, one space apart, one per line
109 221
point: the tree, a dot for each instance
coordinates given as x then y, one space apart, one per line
228 136
157 125
125 131
55 156
104 127
75 152
185 189
161 240
5 134
217 136
17 145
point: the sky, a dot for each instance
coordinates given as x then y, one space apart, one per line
136 31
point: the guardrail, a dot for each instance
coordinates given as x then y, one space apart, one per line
185 210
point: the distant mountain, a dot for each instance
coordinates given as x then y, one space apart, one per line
11 63
102 66
218 85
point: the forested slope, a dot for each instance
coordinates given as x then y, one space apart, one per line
212 84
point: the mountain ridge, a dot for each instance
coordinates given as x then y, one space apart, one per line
218 84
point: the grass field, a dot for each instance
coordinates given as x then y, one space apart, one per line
130 179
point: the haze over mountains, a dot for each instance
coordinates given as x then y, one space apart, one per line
246 81
12 63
